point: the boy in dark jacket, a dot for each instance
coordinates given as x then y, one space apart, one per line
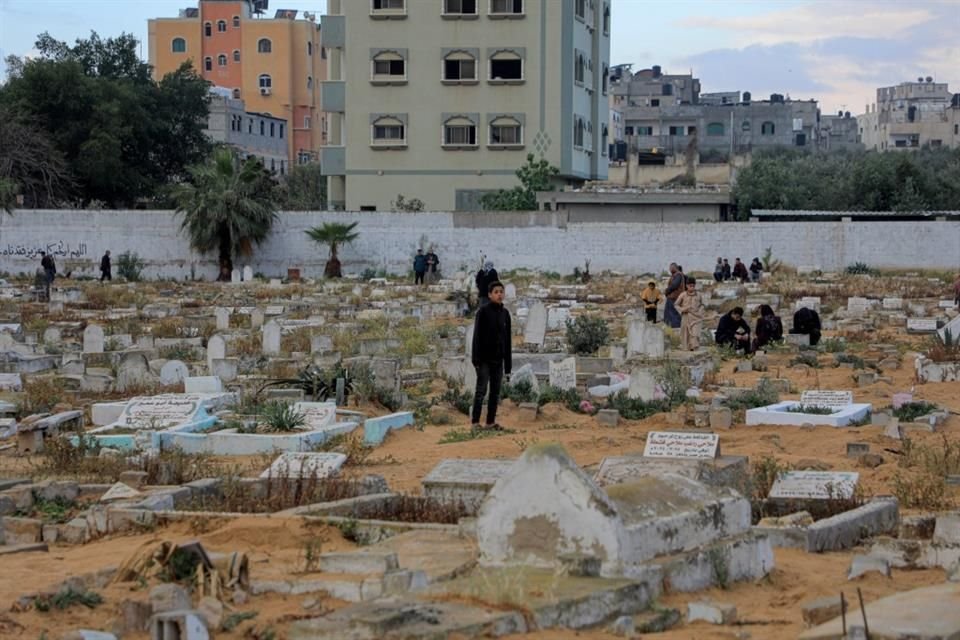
492 354
734 330
419 267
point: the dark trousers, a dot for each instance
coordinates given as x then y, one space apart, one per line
488 374
652 315
670 314
105 275
418 277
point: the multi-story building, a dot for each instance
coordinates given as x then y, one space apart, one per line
839 132
442 100
911 115
273 64
252 134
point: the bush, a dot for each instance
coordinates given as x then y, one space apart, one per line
635 408
859 268
762 396
910 411
520 392
130 266
586 334
280 417
568 397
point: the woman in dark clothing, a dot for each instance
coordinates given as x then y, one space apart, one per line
807 321
485 277
769 328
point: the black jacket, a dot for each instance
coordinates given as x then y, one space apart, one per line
727 329
807 321
105 263
492 336
483 281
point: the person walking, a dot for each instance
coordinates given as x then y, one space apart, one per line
690 306
105 273
492 354
674 288
485 276
651 297
419 267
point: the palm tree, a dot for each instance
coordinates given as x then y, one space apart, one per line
228 205
333 234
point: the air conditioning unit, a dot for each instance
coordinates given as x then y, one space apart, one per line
264 91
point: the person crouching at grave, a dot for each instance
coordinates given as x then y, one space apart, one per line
419 267
718 270
807 321
492 354
756 270
769 328
651 297
740 271
690 306
485 276
733 330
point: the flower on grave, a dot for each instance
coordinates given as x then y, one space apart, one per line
586 406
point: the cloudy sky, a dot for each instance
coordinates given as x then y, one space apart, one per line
837 51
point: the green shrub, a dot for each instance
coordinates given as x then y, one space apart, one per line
811 409
586 334
520 392
859 268
568 397
910 411
280 417
763 395
635 408
130 266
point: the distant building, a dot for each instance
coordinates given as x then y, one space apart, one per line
911 115
252 134
839 132
605 203
273 64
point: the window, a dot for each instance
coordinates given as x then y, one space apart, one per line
263 128
506 8
745 126
603 80
506 66
282 167
222 26
459 132
265 81
236 95
628 131
690 130
236 55
580 8
273 164
644 131
459 67
309 83
667 89
578 130
387 6
222 60
178 45
249 125
207 29
307 122
458 8
264 45
281 130
388 131
506 132
236 22
273 129
676 131
309 48
654 102
715 129
603 141
956 129
606 19
579 68
801 139
389 66
936 143
208 64
767 128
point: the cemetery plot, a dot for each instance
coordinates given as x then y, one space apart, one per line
682 444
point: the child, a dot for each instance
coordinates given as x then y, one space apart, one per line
492 354
690 307
651 297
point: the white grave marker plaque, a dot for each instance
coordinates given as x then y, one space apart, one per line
922 325
160 412
681 444
563 374
815 485
828 399
304 465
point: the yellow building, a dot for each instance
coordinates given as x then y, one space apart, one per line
273 64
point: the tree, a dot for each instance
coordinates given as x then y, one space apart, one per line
226 206
534 176
305 188
333 234
8 195
30 163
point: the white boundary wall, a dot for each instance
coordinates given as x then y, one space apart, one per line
547 241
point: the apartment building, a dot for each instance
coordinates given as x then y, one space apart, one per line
442 100
273 64
911 115
250 133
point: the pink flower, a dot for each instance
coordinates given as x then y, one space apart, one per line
585 406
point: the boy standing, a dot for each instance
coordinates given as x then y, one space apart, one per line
690 307
419 267
651 297
492 354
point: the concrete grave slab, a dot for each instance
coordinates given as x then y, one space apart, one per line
535 329
466 481
681 444
724 471
317 415
563 374
815 485
317 465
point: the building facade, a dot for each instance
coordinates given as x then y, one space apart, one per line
252 134
912 115
443 100
273 64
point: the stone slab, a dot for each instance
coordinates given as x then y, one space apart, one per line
681 444
724 471
815 485
825 398
293 464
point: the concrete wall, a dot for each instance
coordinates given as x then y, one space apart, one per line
549 241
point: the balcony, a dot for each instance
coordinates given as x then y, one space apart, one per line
333 96
333 161
333 32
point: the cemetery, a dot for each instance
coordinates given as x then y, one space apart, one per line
294 458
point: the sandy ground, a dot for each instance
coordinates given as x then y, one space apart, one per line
767 609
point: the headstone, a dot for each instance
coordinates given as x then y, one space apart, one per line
274 310
225 369
119 491
160 412
235 277
815 485
247 273
216 349
93 339
222 317
953 328
900 399
857 306
681 444
525 373
321 344
828 399
466 481
946 304
305 465
256 318
645 338
557 318
173 372
643 385
921 325
271 338
133 371
202 384
341 391
892 303
317 415
535 329
563 374
509 291
51 335
468 340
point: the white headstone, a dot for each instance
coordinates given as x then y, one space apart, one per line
892 303
216 348
643 385
557 318
235 276
202 384
828 399
305 465
224 368
93 339
274 310
160 412
173 372
11 382
120 491
536 327
563 374
317 415
509 291
645 338
681 444
133 371
857 306
256 318
468 340
271 338
321 344
921 325
815 485
247 273
946 304
953 327
51 335
222 317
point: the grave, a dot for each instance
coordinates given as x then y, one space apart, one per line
534 331
464 481
843 410
563 374
815 485
305 465
93 339
271 338
646 339
173 372
222 318
317 415
723 471
921 325
681 444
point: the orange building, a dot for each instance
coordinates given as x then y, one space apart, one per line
273 64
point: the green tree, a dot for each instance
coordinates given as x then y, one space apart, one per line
305 188
227 206
535 175
333 234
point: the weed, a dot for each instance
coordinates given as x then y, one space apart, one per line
939 460
465 435
312 549
807 358
832 345
296 340
525 443
520 392
764 394
811 409
56 511
910 411
568 397
720 566
924 491
349 529
280 417
231 621
66 598
130 266
586 334
358 454
177 352
859 268
40 395
413 341
846 358
674 381
458 398
558 427
635 408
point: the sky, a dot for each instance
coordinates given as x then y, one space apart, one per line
835 51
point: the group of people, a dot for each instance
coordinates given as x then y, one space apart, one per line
722 271
426 267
